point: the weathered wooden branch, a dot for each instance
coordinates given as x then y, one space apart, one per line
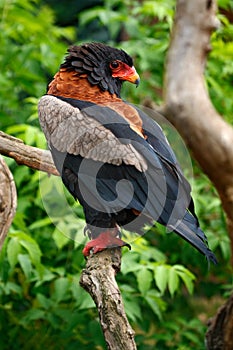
32 157
8 200
98 278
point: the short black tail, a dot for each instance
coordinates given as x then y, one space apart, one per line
189 229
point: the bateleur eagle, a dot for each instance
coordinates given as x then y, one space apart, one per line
111 156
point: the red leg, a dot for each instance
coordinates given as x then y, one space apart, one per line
105 240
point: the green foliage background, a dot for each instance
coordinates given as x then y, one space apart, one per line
168 291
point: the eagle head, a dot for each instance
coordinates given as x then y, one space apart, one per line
103 65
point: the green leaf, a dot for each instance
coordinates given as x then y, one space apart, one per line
132 308
25 264
46 303
47 276
127 288
144 279
155 303
161 277
191 336
186 276
60 239
130 263
32 315
40 223
30 245
13 250
173 280
187 281
225 247
61 287
12 287
30 135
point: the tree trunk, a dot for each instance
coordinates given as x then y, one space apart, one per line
187 104
210 139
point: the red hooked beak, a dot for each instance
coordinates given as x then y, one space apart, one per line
128 74
132 76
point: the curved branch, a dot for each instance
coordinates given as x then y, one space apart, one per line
187 104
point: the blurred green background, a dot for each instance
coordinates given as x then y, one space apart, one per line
169 293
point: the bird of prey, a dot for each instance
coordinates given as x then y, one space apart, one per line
111 156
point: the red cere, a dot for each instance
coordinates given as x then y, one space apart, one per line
122 70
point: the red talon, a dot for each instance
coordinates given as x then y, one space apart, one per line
105 240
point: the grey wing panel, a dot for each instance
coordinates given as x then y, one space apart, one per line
70 130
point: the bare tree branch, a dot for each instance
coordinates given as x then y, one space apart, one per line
8 200
98 278
187 104
32 157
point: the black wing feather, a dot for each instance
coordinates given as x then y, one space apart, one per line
161 193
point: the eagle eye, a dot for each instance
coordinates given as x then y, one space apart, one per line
114 64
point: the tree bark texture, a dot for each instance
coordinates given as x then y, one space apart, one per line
220 332
98 278
32 157
188 107
8 200
187 104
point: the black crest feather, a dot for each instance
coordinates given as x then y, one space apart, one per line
93 59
